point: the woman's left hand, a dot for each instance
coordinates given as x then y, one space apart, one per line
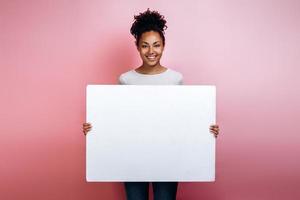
214 129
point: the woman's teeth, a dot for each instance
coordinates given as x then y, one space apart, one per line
151 57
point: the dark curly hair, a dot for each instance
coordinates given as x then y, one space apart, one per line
148 21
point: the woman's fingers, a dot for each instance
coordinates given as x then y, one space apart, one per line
215 133
87 125
86 128
214 129
214 126
85 131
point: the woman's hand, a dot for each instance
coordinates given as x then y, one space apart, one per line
214 129
86 127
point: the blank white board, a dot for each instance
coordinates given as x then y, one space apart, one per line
150 133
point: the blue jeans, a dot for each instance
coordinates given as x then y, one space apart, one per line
161 190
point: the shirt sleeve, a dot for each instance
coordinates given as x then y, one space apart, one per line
120 80
180 80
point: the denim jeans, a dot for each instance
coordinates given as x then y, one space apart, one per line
161 190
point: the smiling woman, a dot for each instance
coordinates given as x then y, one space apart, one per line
148 30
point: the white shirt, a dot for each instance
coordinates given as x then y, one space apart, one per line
168 77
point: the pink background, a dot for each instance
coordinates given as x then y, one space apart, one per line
50 50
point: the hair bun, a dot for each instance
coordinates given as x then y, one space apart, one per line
148 20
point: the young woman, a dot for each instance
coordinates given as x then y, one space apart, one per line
148 30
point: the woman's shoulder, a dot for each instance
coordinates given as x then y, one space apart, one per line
127 73
177 75
124 76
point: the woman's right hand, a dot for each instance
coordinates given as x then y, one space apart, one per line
86 127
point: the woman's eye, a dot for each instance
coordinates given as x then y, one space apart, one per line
157 45
144 46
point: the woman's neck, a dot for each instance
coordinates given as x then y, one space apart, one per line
144 69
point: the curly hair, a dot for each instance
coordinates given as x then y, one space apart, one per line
148 21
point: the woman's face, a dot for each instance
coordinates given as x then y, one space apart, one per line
151 48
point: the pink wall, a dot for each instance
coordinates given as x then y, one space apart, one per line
50 50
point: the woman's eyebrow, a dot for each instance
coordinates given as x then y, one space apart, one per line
153 43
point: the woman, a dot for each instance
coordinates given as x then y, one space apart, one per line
148 30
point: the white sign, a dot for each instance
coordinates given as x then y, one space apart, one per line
150 133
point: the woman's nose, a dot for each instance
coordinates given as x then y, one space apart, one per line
150 49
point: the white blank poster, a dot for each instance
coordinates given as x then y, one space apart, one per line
150 133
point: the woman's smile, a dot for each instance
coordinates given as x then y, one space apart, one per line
151 58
